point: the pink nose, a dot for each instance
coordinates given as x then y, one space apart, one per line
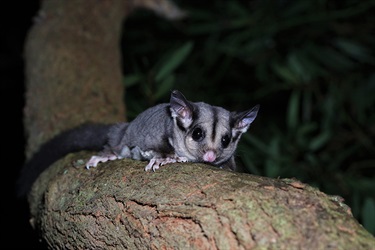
209 156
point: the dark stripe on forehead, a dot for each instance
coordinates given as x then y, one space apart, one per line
195 111
232 120
215 120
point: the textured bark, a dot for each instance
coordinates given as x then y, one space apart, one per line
186 206
73 76
73 67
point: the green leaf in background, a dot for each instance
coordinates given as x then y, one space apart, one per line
293 110
303 65
285 73
296 66
302 134
173 61
131 80
272 169
164 87
355 50
318 142
368 215
333 59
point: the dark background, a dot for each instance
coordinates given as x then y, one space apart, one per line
310 64
15 21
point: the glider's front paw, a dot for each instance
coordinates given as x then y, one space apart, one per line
94 160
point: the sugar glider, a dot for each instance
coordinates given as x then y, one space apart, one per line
178 131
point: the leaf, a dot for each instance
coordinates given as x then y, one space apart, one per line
368 215
312 159
297 67
301 63
173 61
165 86
293 110
303 133
273 161
131 80
319 140
272 168
295 9
333 59
285 73
274 147
355 50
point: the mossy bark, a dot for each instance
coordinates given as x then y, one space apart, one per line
73 76
186 206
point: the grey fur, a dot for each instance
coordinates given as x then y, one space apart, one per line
176 132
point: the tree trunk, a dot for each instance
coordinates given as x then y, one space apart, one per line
74 76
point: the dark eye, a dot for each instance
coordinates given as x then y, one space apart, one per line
225 141
198 134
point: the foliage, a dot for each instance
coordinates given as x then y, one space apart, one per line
310 64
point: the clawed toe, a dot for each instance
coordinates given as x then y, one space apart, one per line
155 163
